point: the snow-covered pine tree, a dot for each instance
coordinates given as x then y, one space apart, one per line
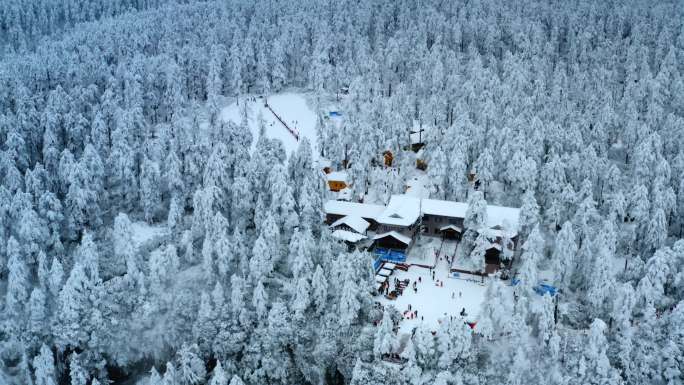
44 367
385 340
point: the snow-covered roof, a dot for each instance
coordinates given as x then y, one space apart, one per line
348 236
355 222
399 237
323 163
338 176
363 210
499 233
402 210
345 194
496 215
444 208
494 245
451 227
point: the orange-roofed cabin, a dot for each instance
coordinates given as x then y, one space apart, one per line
337 180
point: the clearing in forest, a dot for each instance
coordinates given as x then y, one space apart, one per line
291 107
435 298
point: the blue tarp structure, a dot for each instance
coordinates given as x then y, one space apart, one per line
380 251
396 256
335 114
541 289
377 263
387 255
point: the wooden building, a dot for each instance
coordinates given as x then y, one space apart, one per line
401 215
438 215
336 210
493 260
452 232
324 165
353 223
388 158
337 180
393 240
396 225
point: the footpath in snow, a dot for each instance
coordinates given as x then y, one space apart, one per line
291 107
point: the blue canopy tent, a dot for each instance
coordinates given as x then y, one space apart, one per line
387 255
541 288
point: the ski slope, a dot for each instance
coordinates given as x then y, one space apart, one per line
292 107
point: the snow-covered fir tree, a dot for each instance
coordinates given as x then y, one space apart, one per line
158 226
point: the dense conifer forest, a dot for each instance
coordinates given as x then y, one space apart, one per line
111 132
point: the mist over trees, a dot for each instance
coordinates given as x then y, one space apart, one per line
109 115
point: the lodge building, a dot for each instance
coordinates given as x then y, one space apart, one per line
397 224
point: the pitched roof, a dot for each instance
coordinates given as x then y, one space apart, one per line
402 210
348 236
444 208
496 215
499 233
451 227
355 222
399 237
338 176
363 210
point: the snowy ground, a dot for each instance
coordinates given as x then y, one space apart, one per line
291 107
144 233
433 302
424 251
416 186
460 263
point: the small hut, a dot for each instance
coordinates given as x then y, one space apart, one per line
337 180
392 240
451 232
388 158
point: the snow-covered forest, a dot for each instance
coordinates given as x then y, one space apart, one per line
143 239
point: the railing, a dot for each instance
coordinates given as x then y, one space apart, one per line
291 131
439 251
